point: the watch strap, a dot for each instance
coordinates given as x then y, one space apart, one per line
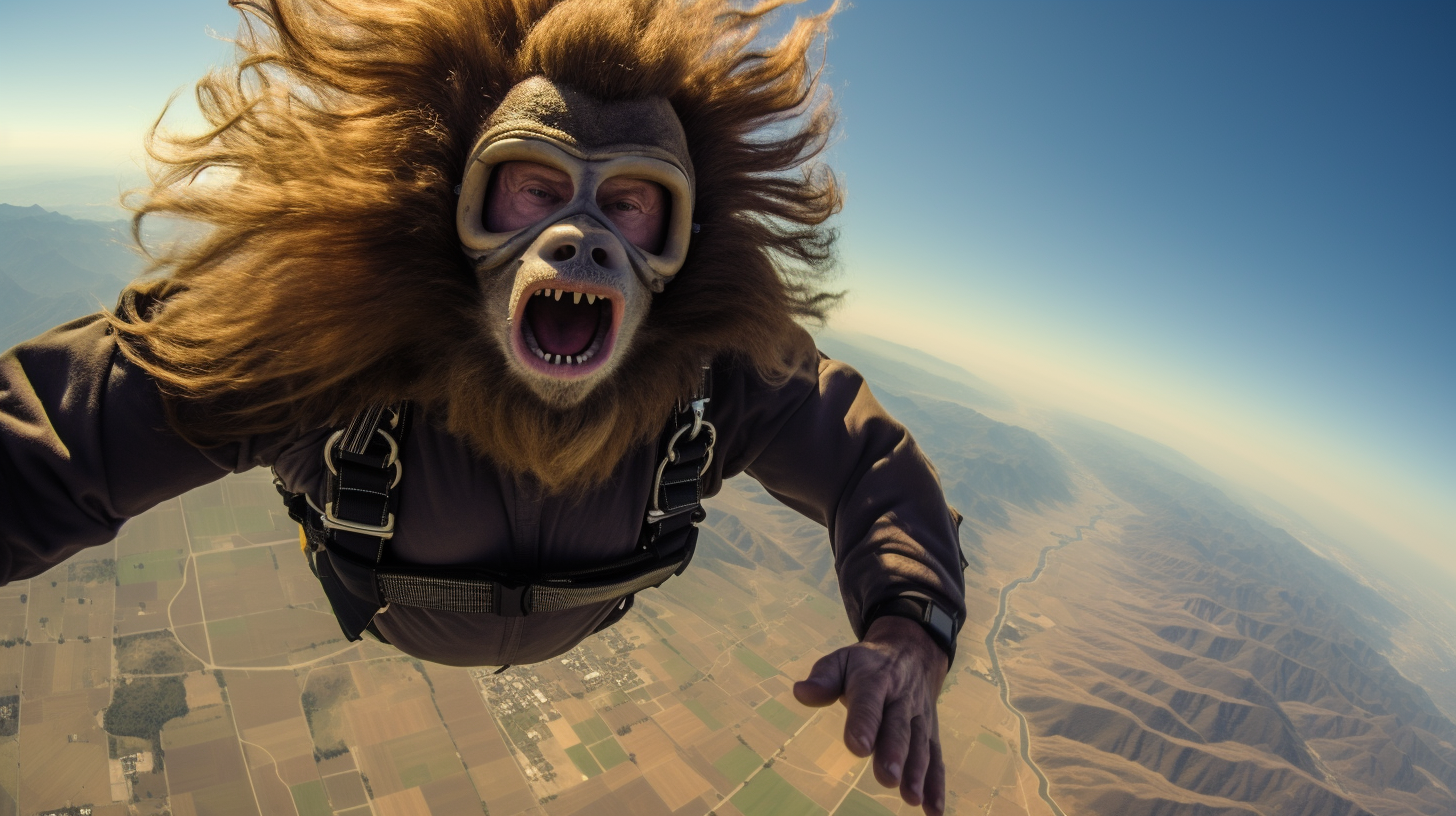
938 622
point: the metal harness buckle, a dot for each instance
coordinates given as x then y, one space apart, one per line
333 522
657 514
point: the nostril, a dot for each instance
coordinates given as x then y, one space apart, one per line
600 256
565 252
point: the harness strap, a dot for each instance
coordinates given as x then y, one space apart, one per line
346 539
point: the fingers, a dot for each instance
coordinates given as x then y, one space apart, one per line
917 761
825 683
864 697
894 744
935 780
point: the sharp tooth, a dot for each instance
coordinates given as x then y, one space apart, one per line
558 294
590 299
575 297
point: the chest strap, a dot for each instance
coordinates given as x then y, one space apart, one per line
347 539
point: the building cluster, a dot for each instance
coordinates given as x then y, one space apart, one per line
521 698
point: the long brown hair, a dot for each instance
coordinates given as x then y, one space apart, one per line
328 273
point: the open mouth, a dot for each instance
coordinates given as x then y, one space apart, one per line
567 333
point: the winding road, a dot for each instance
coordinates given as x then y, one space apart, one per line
1043 787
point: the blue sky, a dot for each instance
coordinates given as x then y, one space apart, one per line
1230 226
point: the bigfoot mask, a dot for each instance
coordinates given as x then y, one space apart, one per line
565 294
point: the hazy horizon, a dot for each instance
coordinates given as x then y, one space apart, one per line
1226 228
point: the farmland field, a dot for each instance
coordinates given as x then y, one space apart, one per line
769 794
738 763
669 711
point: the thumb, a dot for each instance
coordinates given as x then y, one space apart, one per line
825 683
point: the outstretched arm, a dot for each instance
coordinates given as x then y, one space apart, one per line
84 445
823 445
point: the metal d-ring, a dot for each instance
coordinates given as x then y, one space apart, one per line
656 514
389 461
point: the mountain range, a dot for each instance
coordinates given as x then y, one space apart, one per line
54 268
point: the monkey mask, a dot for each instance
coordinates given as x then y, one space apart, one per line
564 296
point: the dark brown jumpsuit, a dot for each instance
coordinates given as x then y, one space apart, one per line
84 446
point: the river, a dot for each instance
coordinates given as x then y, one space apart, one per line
1043 787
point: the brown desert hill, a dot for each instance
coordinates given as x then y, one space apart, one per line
1204 661
1186 656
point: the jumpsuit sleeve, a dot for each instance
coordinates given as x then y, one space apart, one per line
824 446
84 445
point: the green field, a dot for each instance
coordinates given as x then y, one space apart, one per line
157 565
702 712
992 741
738 764
769 794
424 757
609 753
584 761
780 716
858 803
681 670
593 730
227 627
758 665
210 521
824 606
310 799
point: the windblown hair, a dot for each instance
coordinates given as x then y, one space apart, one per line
329 273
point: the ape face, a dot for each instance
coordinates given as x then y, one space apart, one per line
572 237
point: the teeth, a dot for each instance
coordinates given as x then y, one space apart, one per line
575 296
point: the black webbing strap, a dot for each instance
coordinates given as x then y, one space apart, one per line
348 536
674 506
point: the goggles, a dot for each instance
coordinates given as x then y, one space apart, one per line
587 171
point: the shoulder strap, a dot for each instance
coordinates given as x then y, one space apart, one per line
347 536
675 505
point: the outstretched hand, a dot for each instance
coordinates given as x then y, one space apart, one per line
889 682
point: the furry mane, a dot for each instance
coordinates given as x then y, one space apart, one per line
329 273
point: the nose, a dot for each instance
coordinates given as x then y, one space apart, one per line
592 244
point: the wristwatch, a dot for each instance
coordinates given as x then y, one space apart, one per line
938 622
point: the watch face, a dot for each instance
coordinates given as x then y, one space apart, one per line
941 620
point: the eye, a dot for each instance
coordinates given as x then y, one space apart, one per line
624 206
